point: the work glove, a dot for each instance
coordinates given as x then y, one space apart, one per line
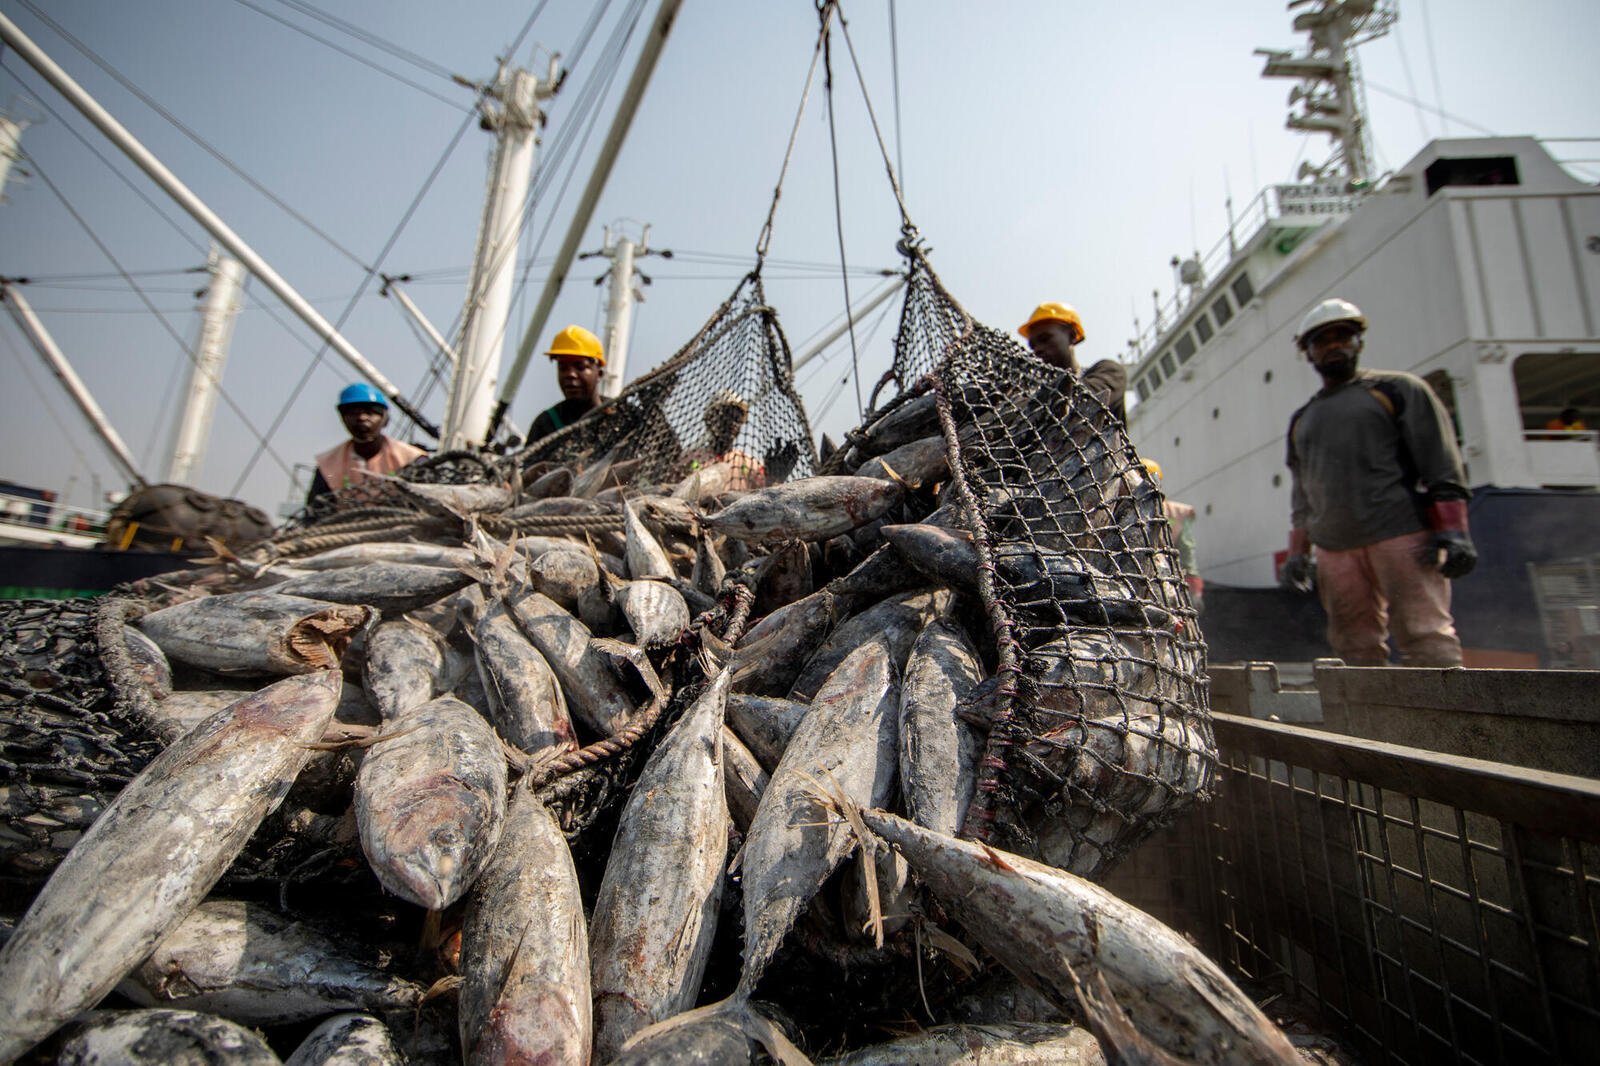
1449 521
1296 575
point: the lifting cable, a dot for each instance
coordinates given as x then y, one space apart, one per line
765 239
838 207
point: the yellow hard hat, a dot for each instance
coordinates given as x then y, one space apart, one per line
1154 468
575 340
1053 312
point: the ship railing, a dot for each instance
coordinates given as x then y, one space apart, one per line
48 514
1263 210
1425 906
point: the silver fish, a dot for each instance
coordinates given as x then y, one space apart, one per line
898 620
774 650
457 499
154 853
595 694
939 752
525 949
847 739
997 1044
744 780
813 508
646 557
563 575
709 569
911 421
430 802
656 910
922 462
765 723
387 552
946 556
149 663
1046 925
253 966
164 1038
256 632
392 588
525 698
655 611
348 1040
405 666
783 577
185 709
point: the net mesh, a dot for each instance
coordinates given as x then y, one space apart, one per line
726 397
1100 731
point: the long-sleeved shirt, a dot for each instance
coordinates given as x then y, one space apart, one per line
1108 379
1367 456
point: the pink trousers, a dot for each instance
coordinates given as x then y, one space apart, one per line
1367 591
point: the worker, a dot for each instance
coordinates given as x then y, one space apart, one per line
1180 517
1052 332
1378 486
725 415
369 451
579 363
1570 420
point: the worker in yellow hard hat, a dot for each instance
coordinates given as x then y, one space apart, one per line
579 362
1053 331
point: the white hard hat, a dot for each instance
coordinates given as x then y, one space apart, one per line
1326 313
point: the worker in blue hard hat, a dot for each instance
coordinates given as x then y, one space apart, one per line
368 452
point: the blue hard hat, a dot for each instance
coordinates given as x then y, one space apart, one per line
361 392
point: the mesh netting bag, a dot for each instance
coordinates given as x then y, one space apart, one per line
724 404
1100 731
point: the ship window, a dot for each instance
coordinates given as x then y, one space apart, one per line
1202 326
1142 387
1277 479
1168 367
1547 384
1176 441
1184 348
1475 170
1243 291
1222 310
1267 377
1154 377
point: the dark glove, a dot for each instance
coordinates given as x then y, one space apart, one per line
1449 521
1296 576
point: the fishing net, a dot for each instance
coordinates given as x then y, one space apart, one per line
1101 730
726 397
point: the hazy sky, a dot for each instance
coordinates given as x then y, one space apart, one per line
1051 150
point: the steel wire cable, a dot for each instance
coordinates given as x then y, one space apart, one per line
838 211
368 37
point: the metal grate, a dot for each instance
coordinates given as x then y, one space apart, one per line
1435 908
1567 592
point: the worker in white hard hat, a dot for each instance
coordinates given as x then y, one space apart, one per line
725 415
579 360
1053 333
1378 488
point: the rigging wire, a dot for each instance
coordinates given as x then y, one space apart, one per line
1411 85
1433 63
234 407
894 67
765 237
838 207
49 408
210 149
367 37
363 60
838 390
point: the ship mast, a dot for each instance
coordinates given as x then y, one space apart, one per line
1329 96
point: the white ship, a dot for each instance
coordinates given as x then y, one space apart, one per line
1477 264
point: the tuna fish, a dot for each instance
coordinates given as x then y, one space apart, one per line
655 611
922 462
1046 925
814 508
525 949
405 666
348 1040
563 575
943 555
387 552
657 906
744 778
765 723
164 1038
525 699
595 694
998 1044
256 632
430 802
646 557
897 620
154 853
251 965
939 752
149 663
848 739
392 588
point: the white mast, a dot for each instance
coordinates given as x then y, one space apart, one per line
516 123
210 354
1329 93
46 346
11 35
10 134
619 306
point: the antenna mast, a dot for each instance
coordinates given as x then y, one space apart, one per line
1329 95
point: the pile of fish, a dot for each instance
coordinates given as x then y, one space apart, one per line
591 772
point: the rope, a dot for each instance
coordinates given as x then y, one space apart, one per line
311 545
552 524
128 693
763 241
905 216
619 741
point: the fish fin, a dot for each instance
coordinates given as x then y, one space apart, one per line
1118 1036
994 858
634 654
895 477
835 800
765 1031
959 953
